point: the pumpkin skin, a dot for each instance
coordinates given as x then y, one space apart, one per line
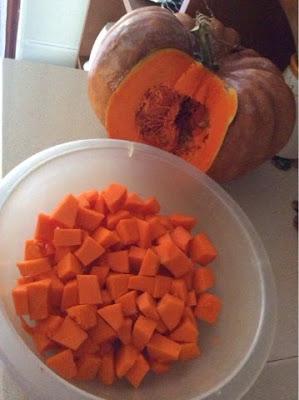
265 116
266 107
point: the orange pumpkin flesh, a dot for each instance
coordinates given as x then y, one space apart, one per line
170 101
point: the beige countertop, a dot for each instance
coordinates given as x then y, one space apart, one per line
44 105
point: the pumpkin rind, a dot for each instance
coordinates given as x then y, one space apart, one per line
265 116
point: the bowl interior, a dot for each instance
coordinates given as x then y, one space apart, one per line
224 346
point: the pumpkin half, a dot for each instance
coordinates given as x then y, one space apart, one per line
146 85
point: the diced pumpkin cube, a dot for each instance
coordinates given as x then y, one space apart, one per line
173 259
66 211
20 298
128 302
107 369
137 372
67 237
89 251
102 332
63 364
189 351
69 334
125 359
106 237
147 306
117 284
113 315
88 367
204 279
115 196
127 230
170 309
202 249
89 289
88 219
208 307
68 267
118 261
163 349
186 332
70 296
142 283
150 264
84 315
143 331
38 299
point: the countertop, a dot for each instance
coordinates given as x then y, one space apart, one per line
44 105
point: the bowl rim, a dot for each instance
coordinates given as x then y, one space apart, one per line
247 370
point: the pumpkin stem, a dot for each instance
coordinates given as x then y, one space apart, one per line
203 36
170 5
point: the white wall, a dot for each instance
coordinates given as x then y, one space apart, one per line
50 30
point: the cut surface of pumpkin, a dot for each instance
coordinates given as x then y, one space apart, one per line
185 109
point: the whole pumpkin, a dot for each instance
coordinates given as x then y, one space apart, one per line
145 85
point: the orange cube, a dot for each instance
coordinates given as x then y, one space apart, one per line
125 359
144 230
84 315
189 351
137 372
162 286
89 289
70 296
69 334
20 298
170 309
143 331
118 261
202 249
89 251
128 303
102 332
115 196
88 367
67 237
106 237
113 315
150 264
63 364
142 283
101 272
34 249
173 259
107 369
163 349
34 267
208 307
204 279
66 211
88 219
117 284
68 267
127 230
38 299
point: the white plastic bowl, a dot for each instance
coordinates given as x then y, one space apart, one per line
233 352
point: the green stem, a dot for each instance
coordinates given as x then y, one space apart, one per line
203 36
